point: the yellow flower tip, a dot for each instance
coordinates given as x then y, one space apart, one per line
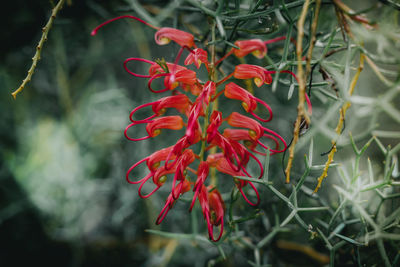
245 106
164 41
162 179
258 54
174 85
155 165
252 134
156 132
247 143
258 82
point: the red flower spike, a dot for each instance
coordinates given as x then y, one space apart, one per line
170 201
197 57
165 35
180 102
249 102
202 174
154 127
254 46
259 74
177 159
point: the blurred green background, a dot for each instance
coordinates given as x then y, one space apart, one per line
63 196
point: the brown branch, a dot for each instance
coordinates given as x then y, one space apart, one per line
340 124
302 77
39 47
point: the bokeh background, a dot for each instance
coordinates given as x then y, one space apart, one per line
63 157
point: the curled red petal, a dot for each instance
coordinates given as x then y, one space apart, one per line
240 186
239 120
137 59
168 122
165 35
135 139
197 57
149 194
255 46
259 74
132 168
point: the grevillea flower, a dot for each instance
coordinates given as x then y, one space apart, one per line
174 76
249 102
153 162
185 187
254 46
202 174
197 56
228 153
249 142
222 164
198 109
154 127
180 174
164 35
256 131
213 209
167 67
257 47
215 122
180 102
258 74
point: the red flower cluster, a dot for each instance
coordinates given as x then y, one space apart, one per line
236 145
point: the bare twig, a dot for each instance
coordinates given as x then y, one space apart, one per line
39 47
340 124
313 36
301 114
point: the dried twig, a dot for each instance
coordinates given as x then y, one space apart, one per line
301 114
39 47
340 124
